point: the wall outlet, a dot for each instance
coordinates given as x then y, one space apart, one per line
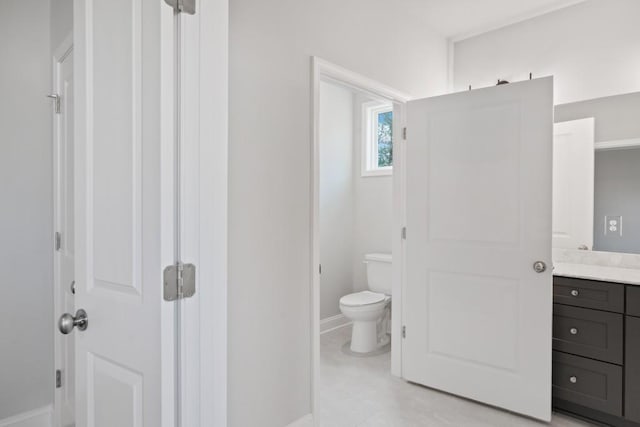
613 225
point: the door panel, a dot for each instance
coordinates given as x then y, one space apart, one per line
477 316
124 212
573 171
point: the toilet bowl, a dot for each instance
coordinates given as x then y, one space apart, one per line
370 310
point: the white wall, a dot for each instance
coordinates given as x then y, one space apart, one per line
336 196
373 206
269 176
592 49
26 310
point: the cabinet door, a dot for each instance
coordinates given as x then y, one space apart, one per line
632 369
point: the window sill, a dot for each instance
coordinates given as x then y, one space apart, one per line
377 172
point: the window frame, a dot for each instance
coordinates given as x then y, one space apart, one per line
369 153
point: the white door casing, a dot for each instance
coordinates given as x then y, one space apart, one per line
64 408
477 315
573 183
124 212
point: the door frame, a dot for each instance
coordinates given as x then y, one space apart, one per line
59 55
324 71
204 170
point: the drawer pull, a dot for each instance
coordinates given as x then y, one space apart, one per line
573 379
574 293
573 331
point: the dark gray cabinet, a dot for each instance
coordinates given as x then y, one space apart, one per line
632 368
596 357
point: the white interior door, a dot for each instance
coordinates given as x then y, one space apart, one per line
64 225
125 363
477 315
573 181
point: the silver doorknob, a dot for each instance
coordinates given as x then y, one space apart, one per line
573 331
573 379
539 267
67 322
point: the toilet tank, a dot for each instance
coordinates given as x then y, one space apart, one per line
379 278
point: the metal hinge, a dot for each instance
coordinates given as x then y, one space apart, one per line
186 6
404 331
319 268
403 233
179 281
56 100
57 240
58 378
404 133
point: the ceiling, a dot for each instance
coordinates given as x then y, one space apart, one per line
459 19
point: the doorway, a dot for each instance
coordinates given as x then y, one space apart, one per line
63 218
368 101
105 186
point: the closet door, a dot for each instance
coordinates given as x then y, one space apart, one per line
124 211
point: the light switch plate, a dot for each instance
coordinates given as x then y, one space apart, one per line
613 225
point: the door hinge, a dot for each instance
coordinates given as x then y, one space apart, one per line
56 101
186 6
319 268
404 133
179 281
403 233
404 331
57 240
58 378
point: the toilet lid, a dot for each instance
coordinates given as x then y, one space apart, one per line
362 298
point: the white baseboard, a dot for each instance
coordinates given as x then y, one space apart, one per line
306 421
333 323
41 417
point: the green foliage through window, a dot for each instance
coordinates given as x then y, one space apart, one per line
385 146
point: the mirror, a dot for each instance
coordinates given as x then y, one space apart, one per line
597 174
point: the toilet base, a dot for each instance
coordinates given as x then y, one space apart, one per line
365 337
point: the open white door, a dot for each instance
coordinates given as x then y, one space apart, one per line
477 315
573 182
125 363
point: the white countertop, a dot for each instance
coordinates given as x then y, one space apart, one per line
630 276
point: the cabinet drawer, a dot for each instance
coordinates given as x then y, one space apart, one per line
590 333
633 300
586 382
589 294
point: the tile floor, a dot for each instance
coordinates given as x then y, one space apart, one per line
360 392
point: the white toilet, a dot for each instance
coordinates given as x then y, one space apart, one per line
369 310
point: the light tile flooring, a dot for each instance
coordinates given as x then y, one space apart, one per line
360 392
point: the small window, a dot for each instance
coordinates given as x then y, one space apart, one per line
378 143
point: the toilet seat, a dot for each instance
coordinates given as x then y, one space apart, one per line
364 298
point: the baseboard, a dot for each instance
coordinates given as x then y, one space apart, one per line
332 323
306 421
41 417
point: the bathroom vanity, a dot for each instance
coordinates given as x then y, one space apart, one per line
596 342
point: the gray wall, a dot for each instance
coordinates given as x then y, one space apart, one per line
617 192
356 212
271 43
617 172
590 48
616 117
373 208
336 196
26 307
